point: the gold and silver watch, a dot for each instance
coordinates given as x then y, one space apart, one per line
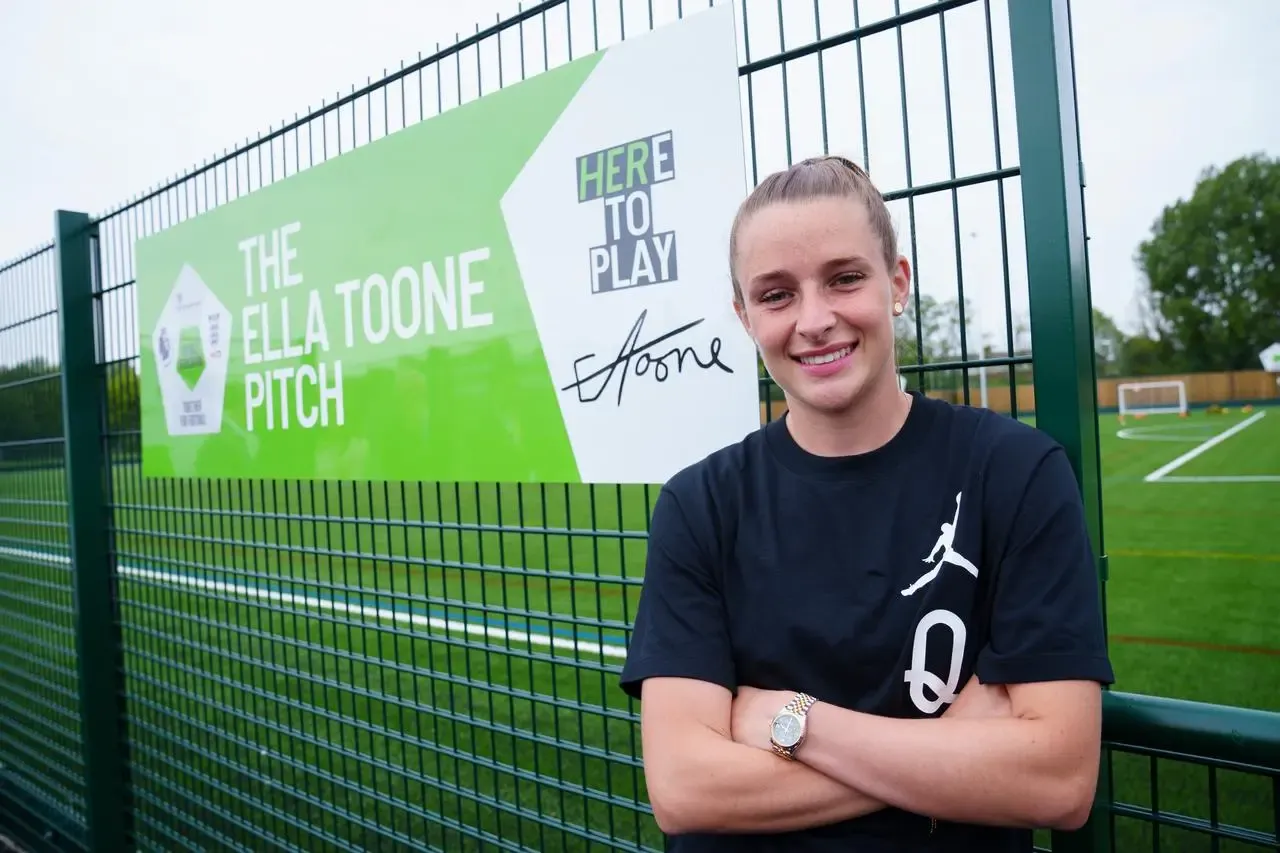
787 730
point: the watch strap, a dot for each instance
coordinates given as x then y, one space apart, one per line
800 704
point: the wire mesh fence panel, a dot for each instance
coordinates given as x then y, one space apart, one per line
377 665
40 749
370 665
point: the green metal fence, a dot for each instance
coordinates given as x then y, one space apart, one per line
263 665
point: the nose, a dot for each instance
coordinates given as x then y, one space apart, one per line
816 318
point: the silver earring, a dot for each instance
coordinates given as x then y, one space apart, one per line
897 308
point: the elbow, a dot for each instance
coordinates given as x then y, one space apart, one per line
672 813
1068 805
669 819
1076 809
666 810
678 807
1071 817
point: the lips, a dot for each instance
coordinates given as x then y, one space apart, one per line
831 354
826 362
826 358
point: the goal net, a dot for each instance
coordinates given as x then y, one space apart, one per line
1153 398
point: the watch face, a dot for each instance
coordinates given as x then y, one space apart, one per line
786 730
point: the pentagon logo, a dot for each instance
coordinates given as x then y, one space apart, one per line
190 347
1271 358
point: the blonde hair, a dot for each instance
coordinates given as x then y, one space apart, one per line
817 177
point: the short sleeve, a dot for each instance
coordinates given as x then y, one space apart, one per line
680 627
1046 613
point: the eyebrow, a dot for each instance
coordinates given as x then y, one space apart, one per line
844 261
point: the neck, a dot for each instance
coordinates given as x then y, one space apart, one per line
869 423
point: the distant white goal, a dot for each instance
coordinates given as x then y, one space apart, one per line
1153 398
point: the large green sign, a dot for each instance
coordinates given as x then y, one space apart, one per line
529 287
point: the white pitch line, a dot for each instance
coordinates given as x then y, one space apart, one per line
1160 432
1201 448
1236 478
536 638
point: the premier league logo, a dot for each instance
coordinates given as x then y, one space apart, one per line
164 347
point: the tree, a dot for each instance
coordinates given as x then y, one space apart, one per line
1211 270
1144 355
937 340
122 398
31 406
30 409
939 332
1108 345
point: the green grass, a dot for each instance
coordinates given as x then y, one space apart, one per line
262 724
1194 575
1194 566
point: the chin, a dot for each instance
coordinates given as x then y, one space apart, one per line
828 397
829 402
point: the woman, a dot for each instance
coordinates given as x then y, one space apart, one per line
873 624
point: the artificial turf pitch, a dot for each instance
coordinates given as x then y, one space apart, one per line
357 665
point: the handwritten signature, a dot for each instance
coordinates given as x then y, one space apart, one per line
636 358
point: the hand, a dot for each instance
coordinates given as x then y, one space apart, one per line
753 713
978 700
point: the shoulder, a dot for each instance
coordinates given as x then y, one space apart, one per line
1022 473
986 427
712 486
1031 497
719 475
1005 447
704 499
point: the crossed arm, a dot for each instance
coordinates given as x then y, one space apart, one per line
700 779
1026 755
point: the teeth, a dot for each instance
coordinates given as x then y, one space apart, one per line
829 357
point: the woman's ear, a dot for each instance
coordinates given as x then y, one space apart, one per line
741 311
900 284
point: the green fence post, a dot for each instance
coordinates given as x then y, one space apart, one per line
1061 319
101 667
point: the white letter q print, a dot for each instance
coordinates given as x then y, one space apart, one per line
919 678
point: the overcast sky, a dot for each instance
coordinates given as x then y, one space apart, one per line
100 101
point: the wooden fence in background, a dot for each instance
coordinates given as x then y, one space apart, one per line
1225 388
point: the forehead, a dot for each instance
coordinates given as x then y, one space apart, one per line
805 233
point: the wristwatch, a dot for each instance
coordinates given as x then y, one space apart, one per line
786 732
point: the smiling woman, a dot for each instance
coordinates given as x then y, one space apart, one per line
874 623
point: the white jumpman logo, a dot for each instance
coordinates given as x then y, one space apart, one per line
945 541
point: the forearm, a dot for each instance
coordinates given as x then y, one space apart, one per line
1002 771
717 785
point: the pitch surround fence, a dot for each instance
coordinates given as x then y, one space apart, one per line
263 665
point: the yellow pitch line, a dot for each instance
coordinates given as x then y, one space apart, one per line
1195 555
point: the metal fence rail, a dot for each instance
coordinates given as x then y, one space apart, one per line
1192 776
283 665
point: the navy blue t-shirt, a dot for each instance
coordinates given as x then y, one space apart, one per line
878 582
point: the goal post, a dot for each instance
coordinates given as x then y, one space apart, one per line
1153 398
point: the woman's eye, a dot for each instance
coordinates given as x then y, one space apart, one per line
849 278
